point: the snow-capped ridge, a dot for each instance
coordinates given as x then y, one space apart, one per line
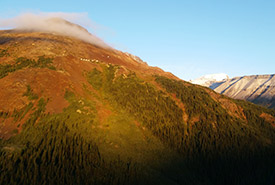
259 89
208 80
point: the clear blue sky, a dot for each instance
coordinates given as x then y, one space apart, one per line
188 38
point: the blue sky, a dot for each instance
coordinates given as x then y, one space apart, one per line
188 38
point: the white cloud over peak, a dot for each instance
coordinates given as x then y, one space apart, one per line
56 22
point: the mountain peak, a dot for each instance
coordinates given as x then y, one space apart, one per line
53 24
58 20
208 80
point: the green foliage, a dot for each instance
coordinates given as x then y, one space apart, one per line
18 115
196 99
215 148
257 109
4 52
252 113
30 94
4 114
153 108
15 131
42 62
22 62
58 149
95 78
214 141
60 156
109 74
198 102
5 70
220 141
70 96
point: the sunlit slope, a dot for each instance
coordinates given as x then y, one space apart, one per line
258 89
74 113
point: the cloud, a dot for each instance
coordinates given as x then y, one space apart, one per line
56 22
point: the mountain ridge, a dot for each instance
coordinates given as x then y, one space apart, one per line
208 80
69 109
258 89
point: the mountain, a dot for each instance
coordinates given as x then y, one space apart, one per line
75 112
208 80
259 89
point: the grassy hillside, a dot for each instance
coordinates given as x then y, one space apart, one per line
95 116
143 139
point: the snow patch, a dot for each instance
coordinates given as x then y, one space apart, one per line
208 80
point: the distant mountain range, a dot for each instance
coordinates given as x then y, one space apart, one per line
259 89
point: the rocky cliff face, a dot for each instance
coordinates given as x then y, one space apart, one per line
259 89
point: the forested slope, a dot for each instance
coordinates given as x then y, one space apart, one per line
106 121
